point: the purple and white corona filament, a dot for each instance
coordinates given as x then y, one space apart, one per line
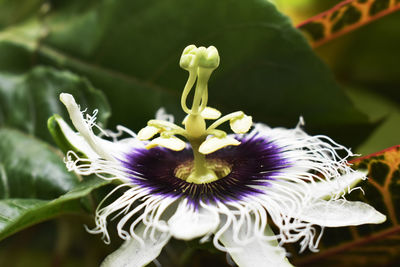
197 181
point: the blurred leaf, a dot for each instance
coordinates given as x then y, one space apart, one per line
377 60
372 63
31 169
32 172
14 11
28 100
31 175
387 134
371 66
344 18
301 10
367 245
60 242
380 110
131 50
17 214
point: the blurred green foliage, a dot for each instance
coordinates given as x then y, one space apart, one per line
366 62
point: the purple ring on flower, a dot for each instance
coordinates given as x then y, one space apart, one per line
251 164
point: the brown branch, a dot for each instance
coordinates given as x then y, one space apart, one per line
347 246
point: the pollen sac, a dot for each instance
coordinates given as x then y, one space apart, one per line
208 114
241 125
172 143
213 144
147 132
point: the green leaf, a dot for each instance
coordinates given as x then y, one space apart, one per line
369 57
12 12
33 174
131 50
34 183
367 245
375 61
17 214
31 168
379 109
28 100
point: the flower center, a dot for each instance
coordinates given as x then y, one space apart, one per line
220 168
200 62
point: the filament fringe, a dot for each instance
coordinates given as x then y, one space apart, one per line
312 159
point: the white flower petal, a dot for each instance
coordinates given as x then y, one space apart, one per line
81 125
172 143
337 186
134 254
119 148
214 143
337 213
147 132
241 125
116 149
75 140
210 113
188 223
79 143
256 252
